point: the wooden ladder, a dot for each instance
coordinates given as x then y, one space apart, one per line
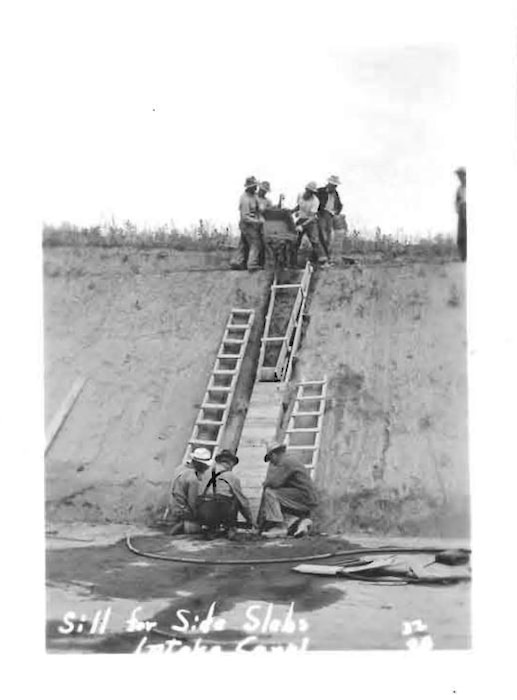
303 434
213 415
281 371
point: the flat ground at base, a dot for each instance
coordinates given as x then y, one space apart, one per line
99 572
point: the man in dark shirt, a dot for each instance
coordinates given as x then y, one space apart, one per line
288 497
330 206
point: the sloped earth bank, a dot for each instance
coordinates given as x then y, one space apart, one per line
144 328
91 579
392 341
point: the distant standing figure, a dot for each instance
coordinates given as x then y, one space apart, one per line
248 252
306 211
330 206
461 210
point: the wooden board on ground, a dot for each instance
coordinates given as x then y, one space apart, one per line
259 429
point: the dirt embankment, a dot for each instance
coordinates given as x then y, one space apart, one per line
144 328
393 343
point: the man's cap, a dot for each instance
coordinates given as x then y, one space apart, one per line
334 180
251 181
227 456
460 170
264 185
273 447
201 456
312 186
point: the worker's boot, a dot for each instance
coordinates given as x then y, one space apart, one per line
304 527
275 532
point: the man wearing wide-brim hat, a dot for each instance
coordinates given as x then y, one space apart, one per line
250 222
306 213
329 207
288 496
222 499
185 490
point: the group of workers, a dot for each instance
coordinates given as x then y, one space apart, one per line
207 495
314 214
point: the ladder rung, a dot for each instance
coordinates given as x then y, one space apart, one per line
228 357
242 311
285 286
203 442
215 388
214 406
209 422
302 430
273 339
310 398
306 413
302 447
233 341
318 381
224 371
238 327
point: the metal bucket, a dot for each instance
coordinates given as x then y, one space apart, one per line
216 509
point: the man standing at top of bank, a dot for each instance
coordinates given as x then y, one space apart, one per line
330 206
250 222
461 211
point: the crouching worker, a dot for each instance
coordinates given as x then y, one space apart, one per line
222 498
185 490
288 497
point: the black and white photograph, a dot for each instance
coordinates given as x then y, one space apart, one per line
255 320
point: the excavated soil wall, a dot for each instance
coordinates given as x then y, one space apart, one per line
393 343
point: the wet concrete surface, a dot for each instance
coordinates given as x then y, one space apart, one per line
96 586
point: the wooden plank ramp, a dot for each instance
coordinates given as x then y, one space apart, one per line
259 429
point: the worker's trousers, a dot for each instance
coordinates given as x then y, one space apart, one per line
275 504
310 229
462 236
248 253
326 230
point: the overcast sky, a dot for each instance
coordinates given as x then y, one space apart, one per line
158 111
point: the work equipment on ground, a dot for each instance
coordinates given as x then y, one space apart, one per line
215 509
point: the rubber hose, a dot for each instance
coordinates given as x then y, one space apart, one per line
289 560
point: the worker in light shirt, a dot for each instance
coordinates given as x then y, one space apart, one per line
306 218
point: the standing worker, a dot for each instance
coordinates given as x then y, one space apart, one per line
330 206
185 490
461 210
248 252
288 495
264 203
306 211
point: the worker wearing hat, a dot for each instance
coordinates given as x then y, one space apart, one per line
306 218
329 207
288 495
248 252
461 211
225 483
185 490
